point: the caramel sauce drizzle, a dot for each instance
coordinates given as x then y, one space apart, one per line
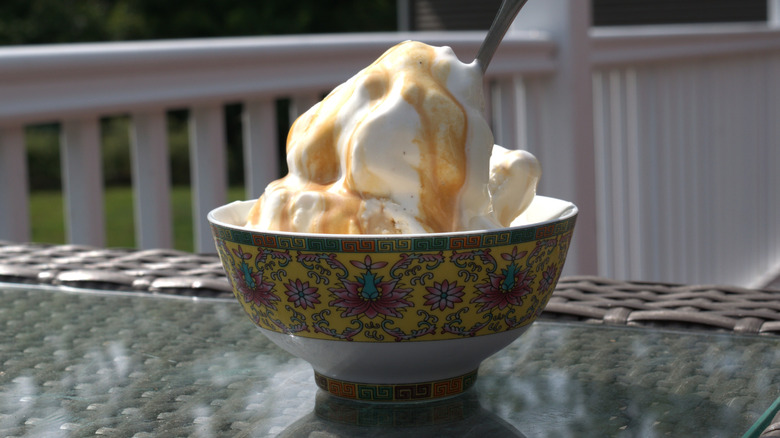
313 149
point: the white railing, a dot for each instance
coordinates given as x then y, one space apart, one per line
79 83
679 125
688 153
666 136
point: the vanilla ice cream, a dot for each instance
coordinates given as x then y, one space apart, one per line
401 147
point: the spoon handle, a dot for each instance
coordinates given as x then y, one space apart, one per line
506 14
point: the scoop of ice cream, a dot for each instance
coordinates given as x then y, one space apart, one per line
401 147
514 175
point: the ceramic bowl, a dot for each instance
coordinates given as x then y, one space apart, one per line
395 317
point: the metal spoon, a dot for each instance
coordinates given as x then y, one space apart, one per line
506 14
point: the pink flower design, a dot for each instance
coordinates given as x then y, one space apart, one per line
369 295
250 282
255 290
505 289
443 295
301 294
515 256
239 252
548 276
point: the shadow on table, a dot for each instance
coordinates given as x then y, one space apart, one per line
460 416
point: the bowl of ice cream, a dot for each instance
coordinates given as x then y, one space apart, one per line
403 247
394 317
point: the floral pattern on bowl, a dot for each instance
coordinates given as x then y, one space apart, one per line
395 288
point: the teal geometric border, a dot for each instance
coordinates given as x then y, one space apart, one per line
390 244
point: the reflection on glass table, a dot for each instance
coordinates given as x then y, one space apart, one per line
81 364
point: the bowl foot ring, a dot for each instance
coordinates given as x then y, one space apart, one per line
397 392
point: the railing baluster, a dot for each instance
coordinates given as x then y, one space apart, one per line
602 119
759 194
635 259
14 187
618 189
208 170
507 100
533 134
707 109
261 151
773 150
83 181
647 147
683 196
690 102
151 180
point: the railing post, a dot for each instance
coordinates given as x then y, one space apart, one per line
208 169
566 123
14 188
151 180
82 172
261 151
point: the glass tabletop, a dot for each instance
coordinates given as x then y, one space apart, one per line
85 364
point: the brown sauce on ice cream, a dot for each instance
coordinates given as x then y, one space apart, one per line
332 182
401 147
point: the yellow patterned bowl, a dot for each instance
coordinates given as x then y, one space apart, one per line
395 317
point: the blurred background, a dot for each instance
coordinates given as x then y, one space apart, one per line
72 21
47 22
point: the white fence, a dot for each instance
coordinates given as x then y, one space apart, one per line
666 137
688 154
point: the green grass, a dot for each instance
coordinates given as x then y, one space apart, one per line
48 225
46 217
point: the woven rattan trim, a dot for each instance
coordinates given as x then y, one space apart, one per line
773 430
642 303
155 271
583 298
